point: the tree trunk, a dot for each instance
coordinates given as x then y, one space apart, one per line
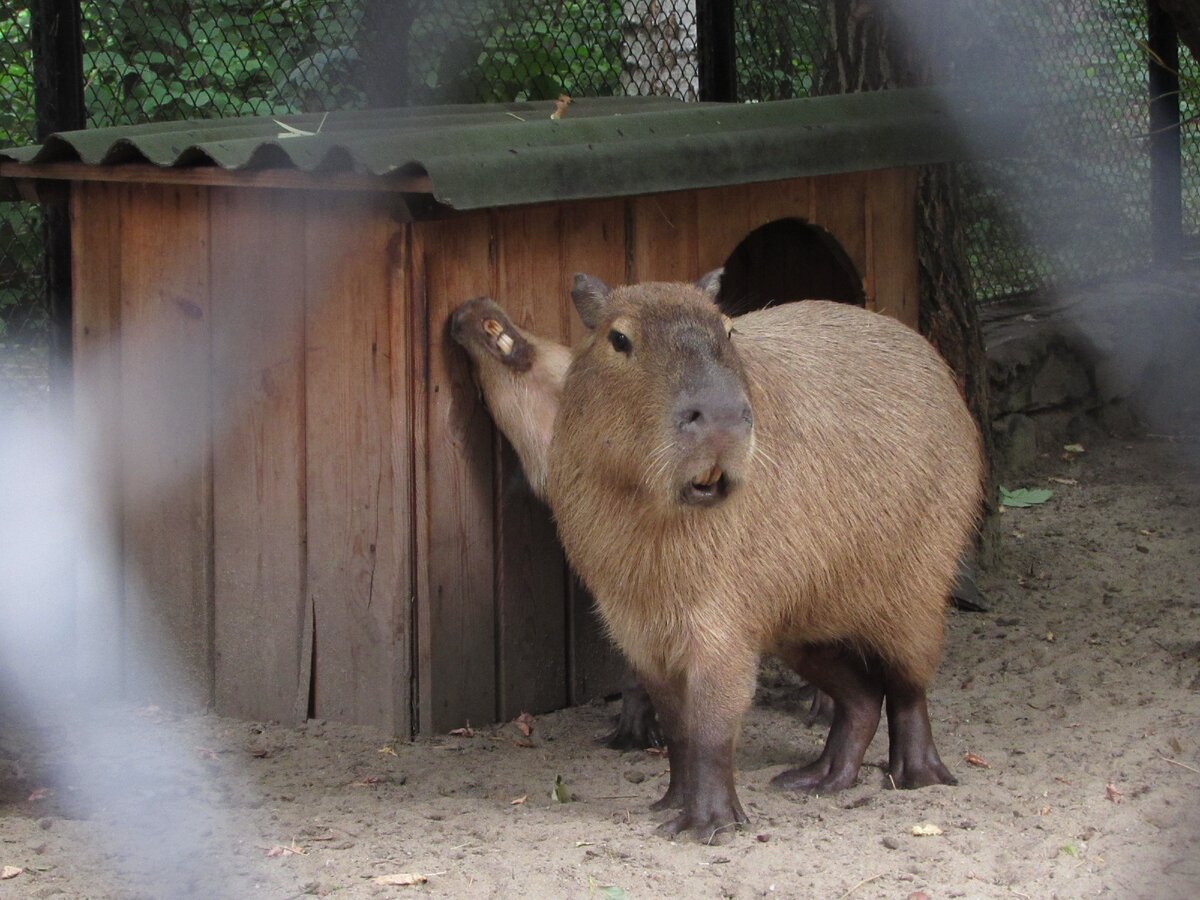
658 49
874 46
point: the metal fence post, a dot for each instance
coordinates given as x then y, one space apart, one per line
56 32
718 58
1166 179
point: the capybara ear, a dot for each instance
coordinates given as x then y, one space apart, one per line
711 283
590 296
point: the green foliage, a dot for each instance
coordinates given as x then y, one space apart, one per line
506 50
156 61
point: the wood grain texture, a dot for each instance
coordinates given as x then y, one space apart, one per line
891 226
665 242
453 261
531 596
96 322
258 453
592 239
356 567
166 443
840 206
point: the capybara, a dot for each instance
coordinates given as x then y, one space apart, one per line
799 481
521 378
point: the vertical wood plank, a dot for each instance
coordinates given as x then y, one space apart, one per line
531 586
841 209
593 240
454 261
665 237
356 561
258 453
166 442
892 244
96 276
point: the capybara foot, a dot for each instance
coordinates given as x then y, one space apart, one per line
672 799
714 823
908 774
821 710
637 727
817 778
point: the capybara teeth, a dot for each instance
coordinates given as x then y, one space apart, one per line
505 343
493 328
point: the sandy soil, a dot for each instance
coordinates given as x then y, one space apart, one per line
1079 689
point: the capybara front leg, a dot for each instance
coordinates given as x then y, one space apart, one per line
666 696
913 759
857 695
716 698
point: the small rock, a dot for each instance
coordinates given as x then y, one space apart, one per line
891 843
633 776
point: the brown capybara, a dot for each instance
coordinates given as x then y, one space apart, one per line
799 481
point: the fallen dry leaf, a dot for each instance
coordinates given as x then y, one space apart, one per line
1074 448
1044 811
1175 745
292 850
979 761
400 878
657 751
918 895
1113 793
926 829
519 800
38 794
10 872
1068 481
463 732
387 751
524 723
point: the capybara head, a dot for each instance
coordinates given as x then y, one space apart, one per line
659 391
520 376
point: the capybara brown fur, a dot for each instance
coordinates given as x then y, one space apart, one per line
799 481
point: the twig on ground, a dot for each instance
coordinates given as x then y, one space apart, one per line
860 884
1176 762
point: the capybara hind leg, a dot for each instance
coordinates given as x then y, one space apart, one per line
913 760
857 695
637 725
820 710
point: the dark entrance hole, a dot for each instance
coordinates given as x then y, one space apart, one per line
786 260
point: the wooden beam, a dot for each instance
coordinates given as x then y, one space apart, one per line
215 176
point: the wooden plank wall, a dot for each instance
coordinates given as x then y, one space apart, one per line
296 462
242 370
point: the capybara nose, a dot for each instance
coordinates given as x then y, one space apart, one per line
719 415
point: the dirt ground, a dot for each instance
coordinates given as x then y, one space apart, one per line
1069 711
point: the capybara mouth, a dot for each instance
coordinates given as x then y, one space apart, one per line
709 489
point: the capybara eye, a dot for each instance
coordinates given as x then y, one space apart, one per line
619 341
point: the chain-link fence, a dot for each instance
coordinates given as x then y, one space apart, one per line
1083 61
22 309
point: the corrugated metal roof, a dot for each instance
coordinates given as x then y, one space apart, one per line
505 154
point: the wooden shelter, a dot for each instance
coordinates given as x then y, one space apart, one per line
313 513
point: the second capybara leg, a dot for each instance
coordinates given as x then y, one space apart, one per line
857 695
913 759
820 710
637 725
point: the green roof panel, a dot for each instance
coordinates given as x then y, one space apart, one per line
506 154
